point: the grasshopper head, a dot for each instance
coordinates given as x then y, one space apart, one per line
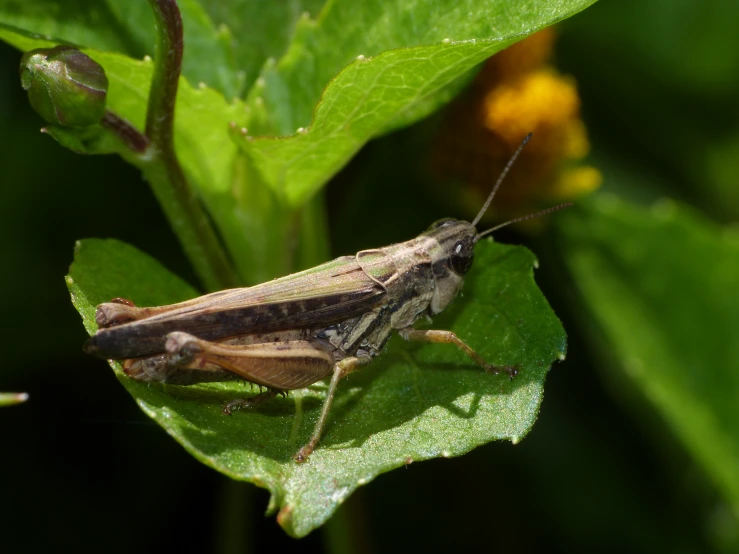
451 259
454 250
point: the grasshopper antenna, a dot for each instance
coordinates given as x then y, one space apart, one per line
524 218
503 173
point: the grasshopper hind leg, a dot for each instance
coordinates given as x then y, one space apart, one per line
116 312
279 366
282 365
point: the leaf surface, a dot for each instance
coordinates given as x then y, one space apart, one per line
361 68
127 27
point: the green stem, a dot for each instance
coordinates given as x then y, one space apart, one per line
161 166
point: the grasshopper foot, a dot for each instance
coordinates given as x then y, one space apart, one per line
249 402
511 370
303 454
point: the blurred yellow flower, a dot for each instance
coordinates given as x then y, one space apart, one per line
517 92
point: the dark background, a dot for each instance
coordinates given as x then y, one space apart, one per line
83 467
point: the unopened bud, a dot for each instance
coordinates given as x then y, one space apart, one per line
65 86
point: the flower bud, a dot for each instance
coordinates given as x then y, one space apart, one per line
65 86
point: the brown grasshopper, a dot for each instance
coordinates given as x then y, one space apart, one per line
291 332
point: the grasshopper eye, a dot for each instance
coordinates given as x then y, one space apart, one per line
463 253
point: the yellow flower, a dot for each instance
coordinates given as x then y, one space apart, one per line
516 93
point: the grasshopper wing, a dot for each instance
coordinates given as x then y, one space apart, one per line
311 299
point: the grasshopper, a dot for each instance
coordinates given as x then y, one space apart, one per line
294 331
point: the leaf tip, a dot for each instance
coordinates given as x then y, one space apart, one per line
284 518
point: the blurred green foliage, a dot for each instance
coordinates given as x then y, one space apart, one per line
636 446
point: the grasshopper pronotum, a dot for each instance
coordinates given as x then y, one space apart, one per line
291 332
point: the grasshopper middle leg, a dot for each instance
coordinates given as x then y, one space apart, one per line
341 369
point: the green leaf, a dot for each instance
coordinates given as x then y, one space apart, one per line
661 287
347 76
227 42
76 21
127 27
413 403
90 140
258 30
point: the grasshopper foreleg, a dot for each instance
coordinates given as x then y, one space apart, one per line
448 337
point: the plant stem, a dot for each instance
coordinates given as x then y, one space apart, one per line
126 132
161 166
167 67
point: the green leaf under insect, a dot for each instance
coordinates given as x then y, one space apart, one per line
413 403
